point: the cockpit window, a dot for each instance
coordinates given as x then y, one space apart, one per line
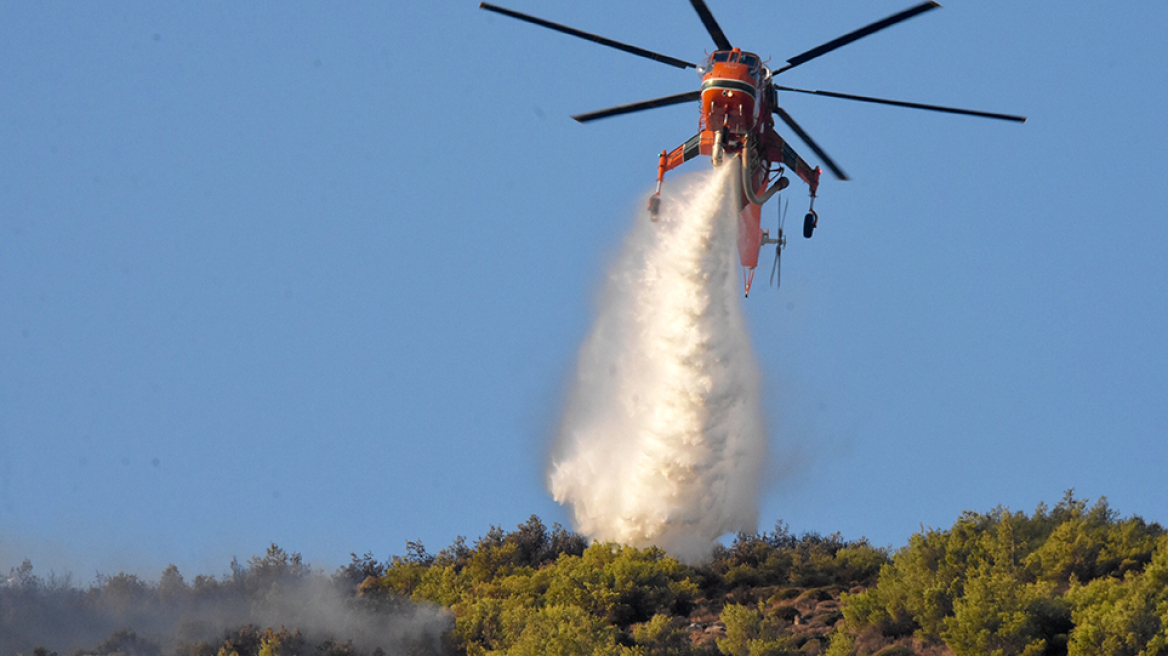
752 62
721 57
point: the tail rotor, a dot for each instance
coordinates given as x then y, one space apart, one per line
780 243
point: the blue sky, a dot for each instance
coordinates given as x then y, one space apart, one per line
316 274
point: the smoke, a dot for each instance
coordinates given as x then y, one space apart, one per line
662 439
174 617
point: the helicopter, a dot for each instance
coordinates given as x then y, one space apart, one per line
739 100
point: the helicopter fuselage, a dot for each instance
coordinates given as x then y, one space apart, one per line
731 86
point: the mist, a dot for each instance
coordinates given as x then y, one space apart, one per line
662 437
124 614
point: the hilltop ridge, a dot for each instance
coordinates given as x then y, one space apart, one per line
1074 579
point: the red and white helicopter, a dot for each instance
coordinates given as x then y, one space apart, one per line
739 100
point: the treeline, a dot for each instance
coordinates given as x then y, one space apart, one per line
272 604
534 591
1076 579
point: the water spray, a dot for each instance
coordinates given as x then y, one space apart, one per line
663 437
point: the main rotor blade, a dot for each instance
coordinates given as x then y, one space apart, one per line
711 25
688 96
839 173
665 59
901 103
858 34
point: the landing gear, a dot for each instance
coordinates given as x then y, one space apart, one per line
809 222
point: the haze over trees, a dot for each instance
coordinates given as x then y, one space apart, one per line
1074 579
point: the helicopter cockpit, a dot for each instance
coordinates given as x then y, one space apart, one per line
750 60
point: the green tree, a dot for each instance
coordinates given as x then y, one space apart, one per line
995 582
171 587
277 568
566 631
622 584
749 633
1127 617
663 635
125 596
998 616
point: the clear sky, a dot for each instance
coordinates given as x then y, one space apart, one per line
317 273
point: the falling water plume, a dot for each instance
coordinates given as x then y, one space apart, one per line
663 437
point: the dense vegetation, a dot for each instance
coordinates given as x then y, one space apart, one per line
1076 579
535 592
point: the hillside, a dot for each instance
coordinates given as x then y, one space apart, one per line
1073 579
